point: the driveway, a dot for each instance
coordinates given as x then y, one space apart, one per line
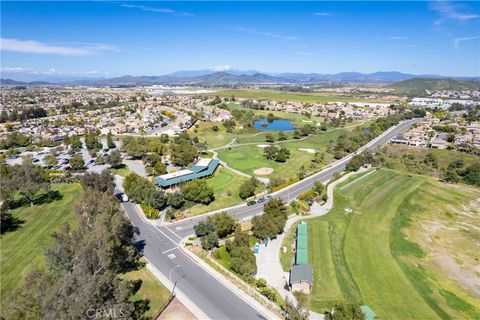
136 166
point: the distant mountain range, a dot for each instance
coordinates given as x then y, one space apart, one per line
236 77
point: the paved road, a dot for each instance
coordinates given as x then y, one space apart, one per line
159 244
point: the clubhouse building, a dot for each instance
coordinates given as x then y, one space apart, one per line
202 168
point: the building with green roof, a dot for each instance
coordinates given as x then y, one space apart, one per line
201 168
301 275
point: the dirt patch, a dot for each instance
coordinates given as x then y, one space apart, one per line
176 311
263 171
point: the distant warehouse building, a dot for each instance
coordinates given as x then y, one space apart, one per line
200 169
301 275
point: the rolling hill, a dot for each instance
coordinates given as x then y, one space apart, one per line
417 86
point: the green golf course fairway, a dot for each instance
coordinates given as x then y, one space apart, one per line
22 249
364 256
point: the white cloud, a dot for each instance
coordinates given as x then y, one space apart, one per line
266 34
157 10
36 47
16 69
223 67
322 14
452 11
458 41
303 53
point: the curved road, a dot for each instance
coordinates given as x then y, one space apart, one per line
159 244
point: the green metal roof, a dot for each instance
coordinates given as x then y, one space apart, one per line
302 228
197 172
301 255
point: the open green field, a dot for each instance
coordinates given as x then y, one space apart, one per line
390 251
248 158
150 289
22 249
225 184
289 96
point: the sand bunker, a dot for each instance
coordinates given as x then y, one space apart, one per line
263 171
308 150
262 145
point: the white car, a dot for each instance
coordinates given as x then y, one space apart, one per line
124 198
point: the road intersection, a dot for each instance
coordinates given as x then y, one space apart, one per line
159 244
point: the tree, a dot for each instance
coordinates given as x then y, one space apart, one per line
110 143
272 221
114 158
215 128
472 174
198 191
50 160
176 200
102 182
356 162
282 155
156 199
77 162
29 179
224 224
270 152
159 168
345 311
204 227
209 241
247 188
138 188
183 154
82 266
452 176
282 136
296 312
269 138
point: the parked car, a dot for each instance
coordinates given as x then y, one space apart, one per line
105 150
64 161
262 199
91 162
124 198
269 197
35 160
251 202
58 166
66 168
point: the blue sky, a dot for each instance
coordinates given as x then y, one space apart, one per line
153 38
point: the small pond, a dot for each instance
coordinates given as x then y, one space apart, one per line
276 125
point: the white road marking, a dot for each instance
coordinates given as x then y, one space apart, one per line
166 251
179 228
171 256
173 233
166 236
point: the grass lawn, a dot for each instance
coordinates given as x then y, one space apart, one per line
22 249
364 256
150 289
122 171
248 158
225 184
287 96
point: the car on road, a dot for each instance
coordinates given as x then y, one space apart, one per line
269 197
35 160
91 162
251 203
262 199
122 197
58 166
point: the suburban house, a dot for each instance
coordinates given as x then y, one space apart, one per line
200 169
439 143
301 275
